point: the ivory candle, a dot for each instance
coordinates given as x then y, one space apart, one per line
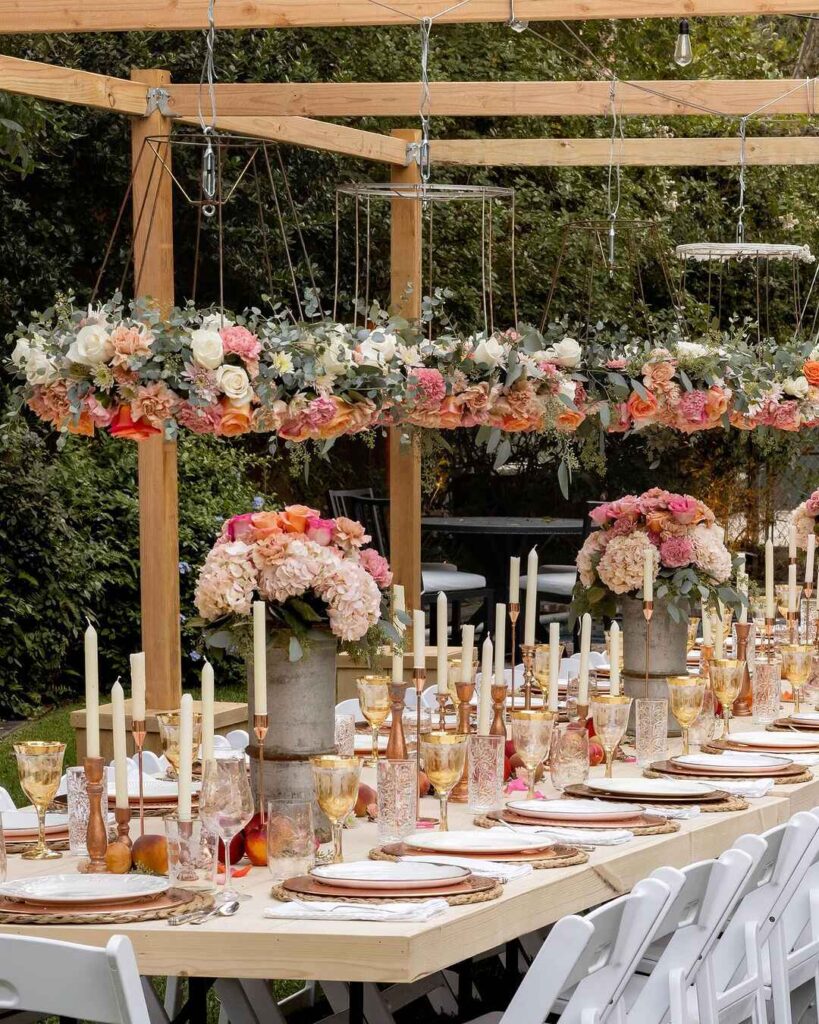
514 580
531 598
792 588
208 728
585 647
742 588
138 687
648 576
554 663
792 541
441 650
398 604
719 636
92 694
770 607
705 615
485 696
614 668
419 639
467 653
810 558
120 755
259 658
186 757
397 667
500 643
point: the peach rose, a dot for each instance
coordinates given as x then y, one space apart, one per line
448 413
265 524
658 373
83 426
642 408
810 370
716 403
235 419
294 518
568 420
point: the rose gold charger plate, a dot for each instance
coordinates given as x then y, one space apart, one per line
152 907
627 821
580 790
788 723
681 771
718 746
305 885
545 853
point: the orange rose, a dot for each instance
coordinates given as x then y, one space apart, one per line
123 425
568 420
235 419
811 370
716 403
656 521
642 408
84 425
294 518
265 524
741 421
449 413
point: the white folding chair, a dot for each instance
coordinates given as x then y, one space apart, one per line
350 706
151 764
6 803
688 931
428 698
730 987
586 962
43 975
238 739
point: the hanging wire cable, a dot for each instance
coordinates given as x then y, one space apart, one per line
210 172
743 124
613 182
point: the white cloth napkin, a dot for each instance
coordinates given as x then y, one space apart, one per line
478 866
806 760
330 910
752 789
583 836
681 813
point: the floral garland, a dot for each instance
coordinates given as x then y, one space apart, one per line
134 374
678 532
805 519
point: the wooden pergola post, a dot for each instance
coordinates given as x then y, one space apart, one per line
405 457
158 504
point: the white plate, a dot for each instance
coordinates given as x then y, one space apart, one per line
732 759
569 810
19 824
785 740
369 874
493 840
808 717
651 788
79 888
153 788
364 743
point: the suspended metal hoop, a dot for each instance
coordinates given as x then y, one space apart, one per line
425 192
724 252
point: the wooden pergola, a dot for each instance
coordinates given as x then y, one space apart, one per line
291 113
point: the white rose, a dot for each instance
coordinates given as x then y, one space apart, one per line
39 368
206 346
21 352
213 321
375 352
814 354
234 382
335 359
569 389
691 350
566 353
796 387
91 347
488 352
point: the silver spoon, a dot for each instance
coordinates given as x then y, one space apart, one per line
198 917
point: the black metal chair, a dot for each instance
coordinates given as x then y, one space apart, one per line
459 587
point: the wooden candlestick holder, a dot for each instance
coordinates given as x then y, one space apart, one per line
498 694
419 680
528 654
514 612
260 727
96 839
465 691
769 638
742 705
442 699
123 820
397 744
138 732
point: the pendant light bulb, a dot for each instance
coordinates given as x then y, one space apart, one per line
682 48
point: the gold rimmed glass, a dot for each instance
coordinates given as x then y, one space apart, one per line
168 722
336 781
374 699
610 718
693 629
532 736
686 694
40 765
543 654
796 667
444 756
726 681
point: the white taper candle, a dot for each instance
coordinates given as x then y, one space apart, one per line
138 687
770 606
485 695
442 649
614 668
185 757
531 597
92 694
467 653
500 643
259 658
514 580
585 647
208 727
120 753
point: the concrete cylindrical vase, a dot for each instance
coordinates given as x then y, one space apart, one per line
301 698
667 650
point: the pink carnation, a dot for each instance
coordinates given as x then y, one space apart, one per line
320 530
320 411
676 552
241 342
692 410
199 419
430 386
377 566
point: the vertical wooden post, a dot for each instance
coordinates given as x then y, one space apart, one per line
405 456
158 507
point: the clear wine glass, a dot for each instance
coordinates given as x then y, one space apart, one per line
226 805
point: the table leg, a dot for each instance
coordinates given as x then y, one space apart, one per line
511 974
356 1012
195 1010
466 999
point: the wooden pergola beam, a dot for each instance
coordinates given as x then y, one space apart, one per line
678 152
503 99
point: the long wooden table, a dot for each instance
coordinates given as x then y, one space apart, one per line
249 945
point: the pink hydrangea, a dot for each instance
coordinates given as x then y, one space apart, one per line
710 553
676 552
240 342
429 385
377 566
621 566
593 546
227 581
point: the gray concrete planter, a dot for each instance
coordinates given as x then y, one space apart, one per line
668 641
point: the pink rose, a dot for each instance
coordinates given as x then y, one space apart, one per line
683 508
599 515
377 566
320 530
239 527
676 552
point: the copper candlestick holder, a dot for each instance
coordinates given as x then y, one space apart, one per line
123 819
514 612
498 694
528 654
742 705
96 839
648 612
396 743
138 732
792 619
465 691
769 638
260 726
442 699
706 654
419 680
